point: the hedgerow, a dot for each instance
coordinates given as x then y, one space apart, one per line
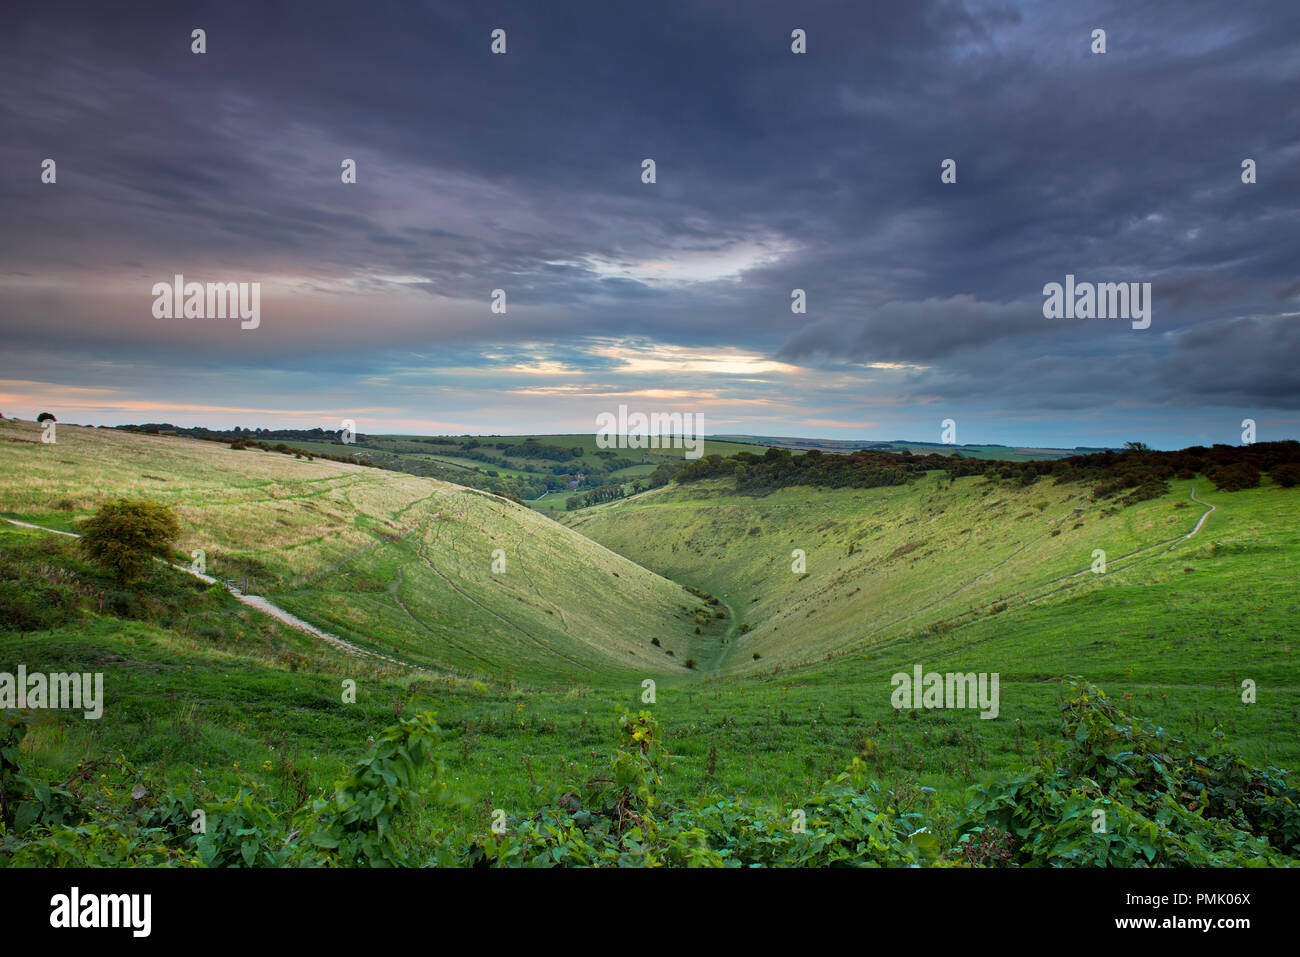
1141 471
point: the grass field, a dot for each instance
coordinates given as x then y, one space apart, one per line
388 561
885 562
587 442
528 669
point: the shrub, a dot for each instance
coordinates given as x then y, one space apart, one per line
1235 478
34 605
1286 475
1163 804
1147 490
123 536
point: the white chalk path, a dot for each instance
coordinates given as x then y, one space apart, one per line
264 606
1063 582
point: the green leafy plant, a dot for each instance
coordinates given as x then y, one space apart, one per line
357 824
1124 793
125 535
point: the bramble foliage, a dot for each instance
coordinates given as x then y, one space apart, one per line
1163 805
357 824
125 535
45 824
607 820
60 826
847 823
616 821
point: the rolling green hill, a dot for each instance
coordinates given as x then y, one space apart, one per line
540 470
392 562
886 563
528 669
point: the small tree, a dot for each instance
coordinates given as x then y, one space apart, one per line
46 417
125 535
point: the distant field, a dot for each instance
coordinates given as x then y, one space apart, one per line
526 467
588 443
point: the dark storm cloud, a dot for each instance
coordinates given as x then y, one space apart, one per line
775 172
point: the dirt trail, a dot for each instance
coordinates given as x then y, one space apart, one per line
41 528
1172 543
264 606
293 621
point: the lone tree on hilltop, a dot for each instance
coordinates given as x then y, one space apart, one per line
125 535
46 417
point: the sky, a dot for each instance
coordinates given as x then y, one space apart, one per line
774 171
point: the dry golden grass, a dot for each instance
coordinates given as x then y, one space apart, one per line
294 516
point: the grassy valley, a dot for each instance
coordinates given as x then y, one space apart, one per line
779 679
884 562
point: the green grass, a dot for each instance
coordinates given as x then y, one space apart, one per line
198 684
389 561
878 563
513 469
